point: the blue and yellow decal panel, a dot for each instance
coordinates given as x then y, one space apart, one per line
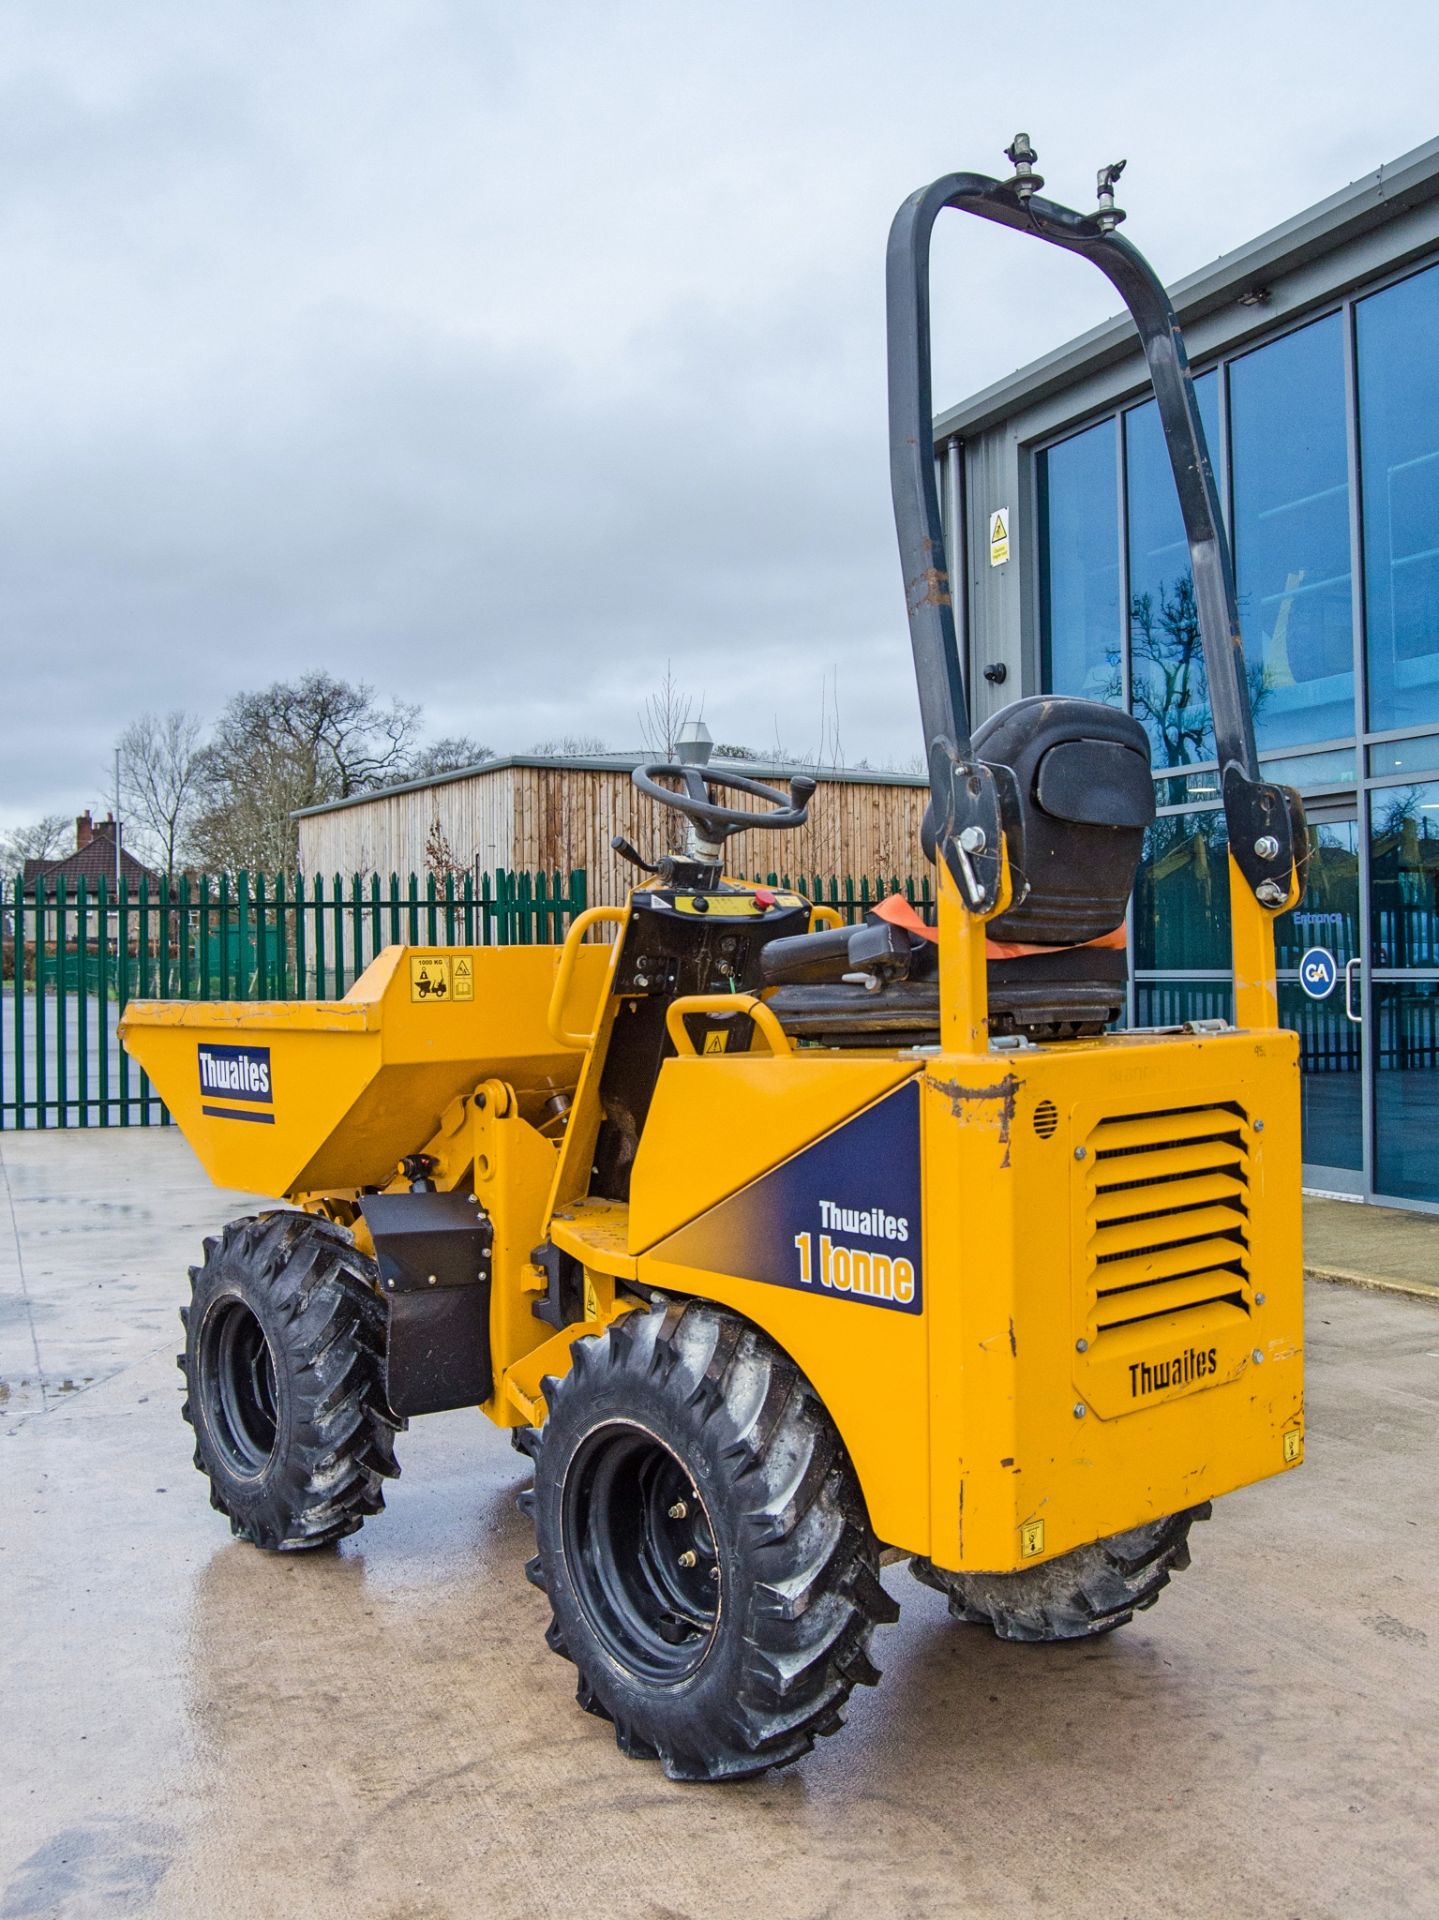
840 1219
240 1077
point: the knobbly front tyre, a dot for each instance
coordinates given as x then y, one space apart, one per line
1075 1596
703 1544
283 1365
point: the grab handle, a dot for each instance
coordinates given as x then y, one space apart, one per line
765 1020
574 939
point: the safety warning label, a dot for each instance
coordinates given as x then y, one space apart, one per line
430 977
999 536
462 977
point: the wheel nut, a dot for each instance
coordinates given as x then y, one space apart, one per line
679 1510
714 1573
688 1557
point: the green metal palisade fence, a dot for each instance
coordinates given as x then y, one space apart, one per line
72 955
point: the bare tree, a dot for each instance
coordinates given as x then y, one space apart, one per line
44 839
296 744
160 781
571 746
440 855
664 715
450 755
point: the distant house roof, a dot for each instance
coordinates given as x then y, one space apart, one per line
93 858
719 765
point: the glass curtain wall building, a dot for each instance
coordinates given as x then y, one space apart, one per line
1316 354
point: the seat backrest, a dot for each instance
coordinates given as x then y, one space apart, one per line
1085 792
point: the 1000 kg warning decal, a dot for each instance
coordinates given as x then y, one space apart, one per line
439 977
840 1220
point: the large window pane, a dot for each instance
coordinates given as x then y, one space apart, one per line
1079 565
1291 535
1406 1089
1328 914
1168 689
1181 897
1331 1068
1399 465
1404 875
1169 1003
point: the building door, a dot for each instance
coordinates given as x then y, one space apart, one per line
1320 953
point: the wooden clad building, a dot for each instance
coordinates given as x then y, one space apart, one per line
528 812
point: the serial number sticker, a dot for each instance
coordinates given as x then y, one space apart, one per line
462 977
430 977
1031 1538
1294 1444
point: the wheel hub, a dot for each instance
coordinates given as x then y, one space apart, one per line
238 1377
641 1551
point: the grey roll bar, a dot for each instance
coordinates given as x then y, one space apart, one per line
1266 822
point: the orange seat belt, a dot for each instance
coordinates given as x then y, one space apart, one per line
899 913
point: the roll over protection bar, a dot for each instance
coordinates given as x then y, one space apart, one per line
1266 822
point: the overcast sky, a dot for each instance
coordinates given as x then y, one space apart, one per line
496 353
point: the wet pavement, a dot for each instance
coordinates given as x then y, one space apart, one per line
191 1728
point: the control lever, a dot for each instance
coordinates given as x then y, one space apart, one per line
626 851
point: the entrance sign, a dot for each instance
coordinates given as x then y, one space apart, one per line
1318 971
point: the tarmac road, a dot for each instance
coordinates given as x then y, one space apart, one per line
191 1728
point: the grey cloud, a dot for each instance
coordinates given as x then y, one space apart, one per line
497 355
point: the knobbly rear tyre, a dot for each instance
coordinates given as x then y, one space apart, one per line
1077 1595
681 1431
283 1365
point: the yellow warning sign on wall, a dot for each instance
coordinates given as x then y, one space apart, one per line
430 978
999 536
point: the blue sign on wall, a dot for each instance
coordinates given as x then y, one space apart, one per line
1318 971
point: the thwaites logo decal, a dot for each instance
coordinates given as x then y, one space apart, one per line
240 1075
840 1219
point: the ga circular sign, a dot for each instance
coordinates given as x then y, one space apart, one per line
1318 971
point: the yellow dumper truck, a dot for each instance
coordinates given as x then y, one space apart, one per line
787 1248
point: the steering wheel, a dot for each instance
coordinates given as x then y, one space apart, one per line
716 822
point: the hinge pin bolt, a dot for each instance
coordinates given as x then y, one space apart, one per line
972 840
1267 847
679 1510
688 1557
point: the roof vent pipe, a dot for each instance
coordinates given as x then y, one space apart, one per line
692 748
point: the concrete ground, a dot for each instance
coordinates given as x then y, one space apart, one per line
1372 1246
190 1728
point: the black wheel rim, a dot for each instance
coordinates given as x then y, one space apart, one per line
239 1382
641 1552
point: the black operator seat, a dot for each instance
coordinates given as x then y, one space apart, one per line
1084 795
